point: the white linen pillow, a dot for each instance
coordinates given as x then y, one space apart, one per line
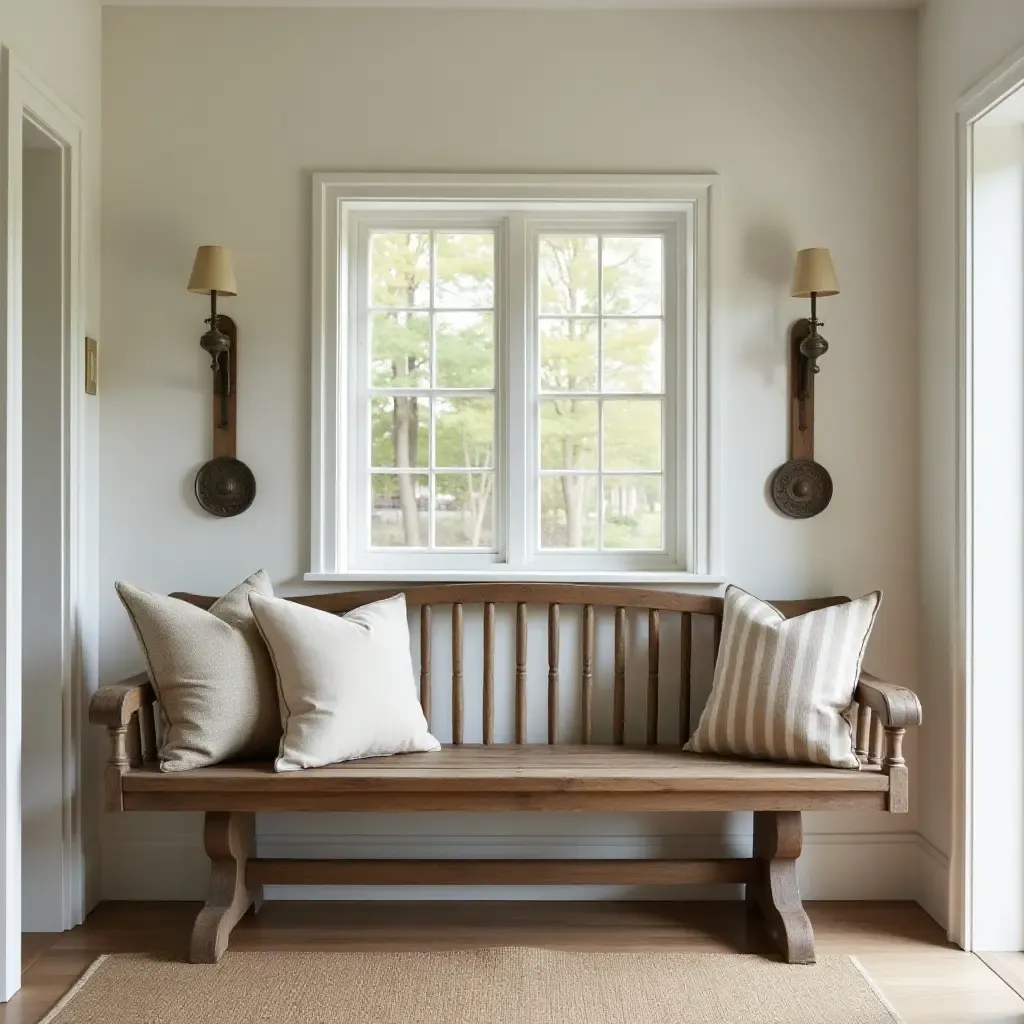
783 688
345 682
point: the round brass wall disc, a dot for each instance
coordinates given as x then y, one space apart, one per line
225 487
801 489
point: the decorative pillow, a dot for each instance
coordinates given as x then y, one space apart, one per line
783 687
345 682
212 675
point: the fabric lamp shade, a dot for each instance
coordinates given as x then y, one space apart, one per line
815 274
213 271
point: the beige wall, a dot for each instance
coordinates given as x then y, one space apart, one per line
960 44
213 122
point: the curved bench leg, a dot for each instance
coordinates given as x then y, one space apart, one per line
778 839
228 838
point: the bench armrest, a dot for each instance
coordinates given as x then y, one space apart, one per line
884 713
114 705
896 706
127 711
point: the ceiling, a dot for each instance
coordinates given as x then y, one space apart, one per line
624 5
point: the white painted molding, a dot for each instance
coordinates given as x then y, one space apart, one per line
23 95
933 889
542 5
650 579
834 866
974 105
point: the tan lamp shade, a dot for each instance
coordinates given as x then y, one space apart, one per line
213 271
815 274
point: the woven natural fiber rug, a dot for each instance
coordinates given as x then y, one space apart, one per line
489 986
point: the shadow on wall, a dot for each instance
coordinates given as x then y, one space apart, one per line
768 252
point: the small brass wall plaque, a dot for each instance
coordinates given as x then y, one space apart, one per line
92 365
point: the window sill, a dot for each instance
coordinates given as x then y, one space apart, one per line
652 579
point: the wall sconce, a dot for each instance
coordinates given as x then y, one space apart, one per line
213 274
815 278
225 486
802 488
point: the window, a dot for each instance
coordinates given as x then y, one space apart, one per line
510 377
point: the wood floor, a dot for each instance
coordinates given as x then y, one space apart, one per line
902 949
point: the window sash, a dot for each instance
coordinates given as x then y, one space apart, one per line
362 393
674 206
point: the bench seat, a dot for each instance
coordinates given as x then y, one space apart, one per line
513 777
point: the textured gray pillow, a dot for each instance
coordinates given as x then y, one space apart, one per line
212 674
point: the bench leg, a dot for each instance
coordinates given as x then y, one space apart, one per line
228 838
778 839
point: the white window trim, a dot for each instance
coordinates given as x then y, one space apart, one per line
337 198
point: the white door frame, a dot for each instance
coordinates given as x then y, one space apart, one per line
968 729
23 96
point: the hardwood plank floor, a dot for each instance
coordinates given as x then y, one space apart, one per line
902 949
1009 967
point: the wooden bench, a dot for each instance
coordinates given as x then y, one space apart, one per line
597 771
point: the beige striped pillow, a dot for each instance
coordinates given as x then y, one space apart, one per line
783 687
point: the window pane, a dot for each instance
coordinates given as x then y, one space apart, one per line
399 515
464 433
568 355
398 432
465 350
632 275
400 269
568 275
632 435
568 434
464 510
464 270
568 512
400 350
632 513
632 355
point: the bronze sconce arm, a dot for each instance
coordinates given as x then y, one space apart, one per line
812 348
218 345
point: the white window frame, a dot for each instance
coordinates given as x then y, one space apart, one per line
517 207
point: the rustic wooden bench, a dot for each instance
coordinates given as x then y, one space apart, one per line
598 771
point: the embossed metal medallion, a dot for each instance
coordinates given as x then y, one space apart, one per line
225 487
801 489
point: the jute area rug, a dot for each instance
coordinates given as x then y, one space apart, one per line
490 986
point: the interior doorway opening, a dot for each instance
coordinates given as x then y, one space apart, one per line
47 504
44 318
987 869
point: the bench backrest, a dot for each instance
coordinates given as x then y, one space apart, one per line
655 638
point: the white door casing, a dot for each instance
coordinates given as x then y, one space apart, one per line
979 824
22 96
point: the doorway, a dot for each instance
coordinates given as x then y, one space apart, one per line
987 870
42 635
44 188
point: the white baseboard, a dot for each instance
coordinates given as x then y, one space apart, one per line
933 887
834 866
